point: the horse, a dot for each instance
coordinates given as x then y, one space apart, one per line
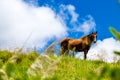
78 45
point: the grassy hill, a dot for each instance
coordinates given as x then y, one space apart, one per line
33 66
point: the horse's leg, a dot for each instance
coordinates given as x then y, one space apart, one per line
73 55
85 54
63 47
66 52
62 52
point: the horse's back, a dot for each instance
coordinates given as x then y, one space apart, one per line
66 40
75 42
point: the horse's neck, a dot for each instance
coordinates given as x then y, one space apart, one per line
87 39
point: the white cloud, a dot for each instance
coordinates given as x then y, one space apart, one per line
18 21
32 2
32 26
74 15
67 10
87 26
104 51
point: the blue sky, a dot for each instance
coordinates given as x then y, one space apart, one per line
105 12
40 22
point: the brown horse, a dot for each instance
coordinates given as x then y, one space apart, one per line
78 45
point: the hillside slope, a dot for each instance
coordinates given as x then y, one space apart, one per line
33 66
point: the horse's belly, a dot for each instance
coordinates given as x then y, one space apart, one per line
77 48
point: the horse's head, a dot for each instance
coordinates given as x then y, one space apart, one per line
93 36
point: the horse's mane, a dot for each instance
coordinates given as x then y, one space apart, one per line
87 36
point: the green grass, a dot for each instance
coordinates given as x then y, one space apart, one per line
67 68
75 69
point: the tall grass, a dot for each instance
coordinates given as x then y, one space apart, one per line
61 68
75 69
